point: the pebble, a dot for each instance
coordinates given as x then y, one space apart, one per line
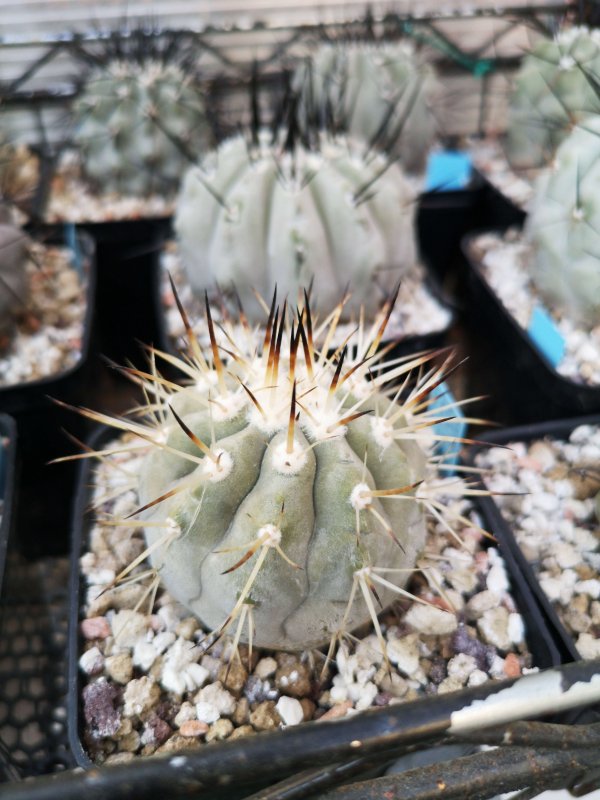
100 709
141 694
266 668
293 678
290 710
493 626
187 712
214 701
92 661
404 652
243 730
337 711
95 628
428 619
119 668
127 627
193 727
265 716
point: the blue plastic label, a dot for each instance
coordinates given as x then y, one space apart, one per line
447 171
444 399
545 335
72 242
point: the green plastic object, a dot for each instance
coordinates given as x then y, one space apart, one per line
556 87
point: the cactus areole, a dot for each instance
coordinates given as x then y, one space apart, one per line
259 214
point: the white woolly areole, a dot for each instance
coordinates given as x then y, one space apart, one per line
174 528
218 470
566 62
383 431
360 497
289 463
227 406
206 381
578 213
270 534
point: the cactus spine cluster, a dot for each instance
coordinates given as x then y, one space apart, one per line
281 490
380 93
139 122
564 226
556 87
262 213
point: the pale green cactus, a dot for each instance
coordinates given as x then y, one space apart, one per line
138 126
556 87
379 93
259 215
564 226
14 252
283 491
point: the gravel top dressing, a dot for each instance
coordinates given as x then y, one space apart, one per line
151 685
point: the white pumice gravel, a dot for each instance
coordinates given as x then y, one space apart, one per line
47 338
503 261
180 696
73 200
489 158
417 310
562 544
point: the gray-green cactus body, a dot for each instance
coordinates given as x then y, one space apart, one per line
564 226
256 216
13 273
554 90
298 520
374 89
138 126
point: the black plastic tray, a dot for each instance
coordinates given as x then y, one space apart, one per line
530 385
8 483
127 257
539 639
556 429
496 209
45 493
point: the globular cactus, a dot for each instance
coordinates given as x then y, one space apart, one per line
564 227
379 93
140 120
282 490
259 214
556 87
14 252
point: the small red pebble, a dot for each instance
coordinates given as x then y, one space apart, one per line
512 667
481 561
95 628
337 711
193 727
528 462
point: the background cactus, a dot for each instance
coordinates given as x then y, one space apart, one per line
556 87
380 93
140 119
259 214
564 226
14 253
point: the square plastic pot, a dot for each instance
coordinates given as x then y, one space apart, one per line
290 750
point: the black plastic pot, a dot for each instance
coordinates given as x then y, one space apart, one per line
443 218
127 257
8 483
313 736
496 210
529 385
46 492
556 429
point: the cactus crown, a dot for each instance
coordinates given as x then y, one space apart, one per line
141 116
557 86
377 92
564 226
269 209
280 489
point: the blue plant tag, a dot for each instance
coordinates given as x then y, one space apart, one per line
443 399
72 242
448 170
545 335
